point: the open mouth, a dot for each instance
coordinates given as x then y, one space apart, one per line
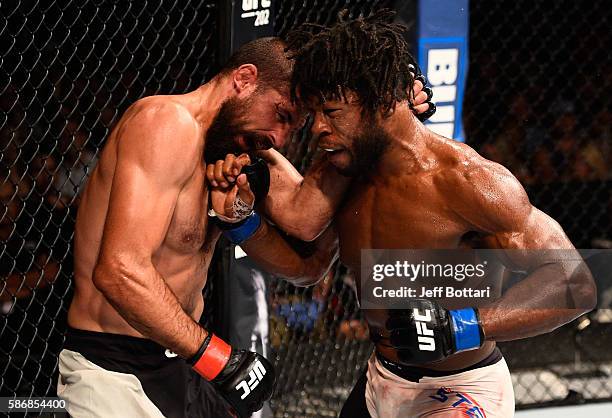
331 149
333 152
336 155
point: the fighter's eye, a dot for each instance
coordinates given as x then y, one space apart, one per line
330 111
282 114
250 142
281 117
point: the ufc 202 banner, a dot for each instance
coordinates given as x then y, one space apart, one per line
242 21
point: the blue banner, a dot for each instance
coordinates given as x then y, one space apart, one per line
443 56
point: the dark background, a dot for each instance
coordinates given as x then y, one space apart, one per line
538 101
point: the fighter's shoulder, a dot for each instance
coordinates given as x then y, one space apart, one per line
158 121
160 131
463 167
484 188
162 112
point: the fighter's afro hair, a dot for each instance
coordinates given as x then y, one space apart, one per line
366 55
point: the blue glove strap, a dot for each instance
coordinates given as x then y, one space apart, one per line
245 230
466 329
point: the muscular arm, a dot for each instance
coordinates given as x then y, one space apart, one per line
302 206
154 160
275 255
558 287
305 206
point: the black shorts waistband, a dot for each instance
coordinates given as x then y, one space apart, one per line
414 374
116 352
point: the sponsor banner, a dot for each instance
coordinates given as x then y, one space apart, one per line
443 56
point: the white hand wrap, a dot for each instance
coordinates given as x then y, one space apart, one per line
240 211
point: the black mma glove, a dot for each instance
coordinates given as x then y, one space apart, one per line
258 175
245 379
418 75
429 333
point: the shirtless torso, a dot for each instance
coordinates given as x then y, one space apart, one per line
430 192
144 241
408 211
185 251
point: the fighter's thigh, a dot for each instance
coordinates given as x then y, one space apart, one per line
484 392
91 391
448 414
450 404
465 402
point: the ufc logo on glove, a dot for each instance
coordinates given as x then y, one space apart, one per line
426 340
255 375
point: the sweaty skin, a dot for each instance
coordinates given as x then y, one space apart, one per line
143 241
429 192
317 195
141 247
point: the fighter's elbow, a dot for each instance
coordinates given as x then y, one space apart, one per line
308 233
110 276
302 281
587 294
306 226
104 275
582 290
306 280
309 276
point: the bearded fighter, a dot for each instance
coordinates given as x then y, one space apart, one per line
144 242
397 185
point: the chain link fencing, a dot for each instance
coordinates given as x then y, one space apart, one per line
69 70
536 102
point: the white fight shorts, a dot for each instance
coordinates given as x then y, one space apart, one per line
483 390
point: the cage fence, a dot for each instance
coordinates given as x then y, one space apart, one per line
537 101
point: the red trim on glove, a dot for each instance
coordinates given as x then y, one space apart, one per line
214 359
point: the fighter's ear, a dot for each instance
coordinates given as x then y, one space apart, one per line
245 78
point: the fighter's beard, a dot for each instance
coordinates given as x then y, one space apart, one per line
367 149
223 131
